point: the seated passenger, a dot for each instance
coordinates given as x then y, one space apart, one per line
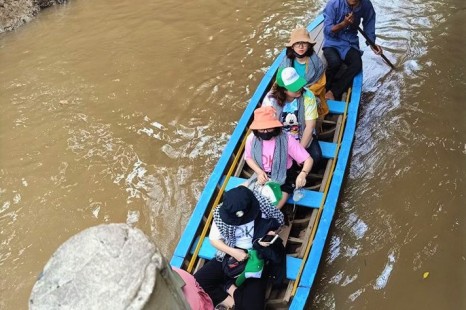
270 153
296 109
237 222
300 55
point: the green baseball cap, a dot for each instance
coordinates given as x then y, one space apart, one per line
290 79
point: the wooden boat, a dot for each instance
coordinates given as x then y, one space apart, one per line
309 220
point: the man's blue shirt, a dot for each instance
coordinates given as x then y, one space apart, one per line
343 40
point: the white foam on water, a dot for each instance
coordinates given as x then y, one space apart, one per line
336 279
351 251
358 226
158 125
6 206
17 198
349 280
147 131
334 250
359 229
95 212
382 280
132 217
356 294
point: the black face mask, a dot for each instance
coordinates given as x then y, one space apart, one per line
299 56
265 135
268 135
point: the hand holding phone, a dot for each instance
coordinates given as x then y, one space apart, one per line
270 239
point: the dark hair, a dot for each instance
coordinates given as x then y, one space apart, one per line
279 94
290 53
276 130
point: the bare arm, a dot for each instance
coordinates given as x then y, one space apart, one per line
261 175
307 166
306 138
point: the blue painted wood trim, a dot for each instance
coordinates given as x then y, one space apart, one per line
311 199
300 298
292 267
336 107
316 22
176 261
207 249
329 149
312 263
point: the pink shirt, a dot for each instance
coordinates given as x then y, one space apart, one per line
295 151
197 298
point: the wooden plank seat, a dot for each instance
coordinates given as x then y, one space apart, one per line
311 199
336 107
328 149
207 252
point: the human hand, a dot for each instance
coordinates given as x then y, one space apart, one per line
349 19
239 254
262 177
300 180
378 50
266 244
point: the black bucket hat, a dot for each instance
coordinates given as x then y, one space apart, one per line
239 207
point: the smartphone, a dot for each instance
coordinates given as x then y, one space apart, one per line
269 238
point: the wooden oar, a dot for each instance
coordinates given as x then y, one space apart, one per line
372 44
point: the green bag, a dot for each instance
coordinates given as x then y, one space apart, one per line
253 269
272 191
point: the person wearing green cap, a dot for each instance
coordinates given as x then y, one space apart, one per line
296 109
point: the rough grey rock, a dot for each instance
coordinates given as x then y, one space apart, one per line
104 267
14 13
47 3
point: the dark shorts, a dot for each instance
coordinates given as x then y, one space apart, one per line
291 175
316 153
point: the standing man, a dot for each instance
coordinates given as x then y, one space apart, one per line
341 42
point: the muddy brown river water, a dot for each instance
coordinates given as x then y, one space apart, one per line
116 111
